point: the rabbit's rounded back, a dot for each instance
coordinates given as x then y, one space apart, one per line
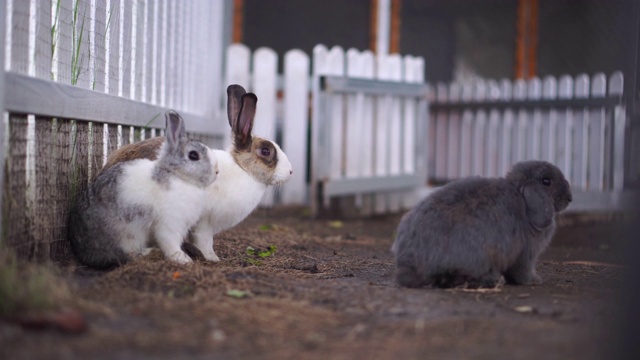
478 229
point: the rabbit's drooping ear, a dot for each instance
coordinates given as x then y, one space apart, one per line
539 206
234 102
175 128
243 125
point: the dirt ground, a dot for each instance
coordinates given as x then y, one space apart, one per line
328 293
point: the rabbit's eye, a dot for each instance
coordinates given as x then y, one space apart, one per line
546 181
265 151
193 155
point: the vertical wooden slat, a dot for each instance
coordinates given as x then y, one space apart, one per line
264 85
549 140
126 52
479 131
534 126
97 34
580 151
565 128
80 43
295 123
466 129
616 86
453 134
599 128
440 132
3 118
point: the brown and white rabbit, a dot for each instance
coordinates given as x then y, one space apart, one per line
130 203
477 230
246 171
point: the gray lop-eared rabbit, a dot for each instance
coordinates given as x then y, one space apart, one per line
476 230
130 204
247 169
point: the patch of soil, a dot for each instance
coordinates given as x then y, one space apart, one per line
328 293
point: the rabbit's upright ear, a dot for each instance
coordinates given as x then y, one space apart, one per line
234 102
243 125
539 206
175 128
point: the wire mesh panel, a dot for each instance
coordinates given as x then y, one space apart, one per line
88 76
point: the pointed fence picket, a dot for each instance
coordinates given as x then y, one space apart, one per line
577 124
366 129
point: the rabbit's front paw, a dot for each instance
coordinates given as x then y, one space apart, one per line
180 257
211 256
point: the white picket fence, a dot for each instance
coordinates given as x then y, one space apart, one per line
576 123
374 130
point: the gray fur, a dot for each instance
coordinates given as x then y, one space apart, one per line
99 215
476 230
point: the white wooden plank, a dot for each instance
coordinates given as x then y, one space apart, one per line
163 52
615 89
19 32
598 130
580 149
40 29
295 123
264 85
112 47
354 121
80 44
125 52
319 139
453 134
465 156
97 24
479 153
549 142
3 114
493 136
479 130
136 81
237 65
506 150
565 127
410 134
534 126
335 66
439 147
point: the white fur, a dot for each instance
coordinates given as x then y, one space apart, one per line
176 207
231 198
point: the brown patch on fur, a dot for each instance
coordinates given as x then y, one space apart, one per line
250 159
146 149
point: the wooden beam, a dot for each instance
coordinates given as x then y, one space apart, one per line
238 21
526 39
396 8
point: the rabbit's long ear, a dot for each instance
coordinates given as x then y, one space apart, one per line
243 125
234 102
539 205
175 129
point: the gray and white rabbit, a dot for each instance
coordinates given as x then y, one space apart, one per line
477 230
247 169
132 203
